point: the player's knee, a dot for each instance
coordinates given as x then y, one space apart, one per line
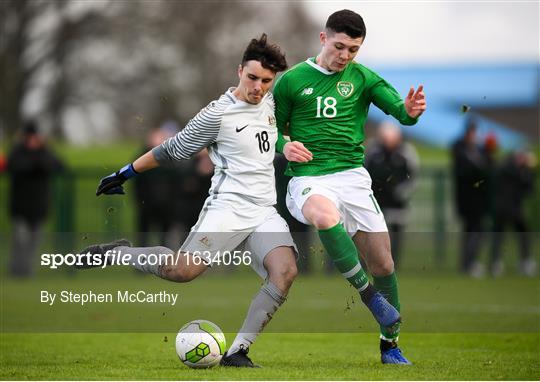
290 274
321 212
388 268
384 267
284 276
325 219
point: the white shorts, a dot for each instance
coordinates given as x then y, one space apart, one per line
230 223
351 193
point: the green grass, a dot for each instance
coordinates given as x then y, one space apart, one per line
431 303
454 328
119 153
108 157
448 356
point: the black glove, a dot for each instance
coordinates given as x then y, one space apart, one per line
112 184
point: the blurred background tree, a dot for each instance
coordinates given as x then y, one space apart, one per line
91 71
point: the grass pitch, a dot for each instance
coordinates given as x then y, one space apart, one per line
455 329
337 356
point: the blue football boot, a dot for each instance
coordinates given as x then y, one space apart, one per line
386 315
394 356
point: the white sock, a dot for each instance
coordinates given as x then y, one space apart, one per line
262 308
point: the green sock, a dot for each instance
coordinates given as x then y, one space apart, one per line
343 253
388 286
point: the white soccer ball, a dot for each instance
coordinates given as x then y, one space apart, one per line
200 344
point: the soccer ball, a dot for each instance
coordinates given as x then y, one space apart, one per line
200 344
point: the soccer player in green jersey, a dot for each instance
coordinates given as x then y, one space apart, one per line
322 104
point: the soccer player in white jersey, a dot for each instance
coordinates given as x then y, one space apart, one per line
240 133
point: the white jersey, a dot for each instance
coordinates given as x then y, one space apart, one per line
241 140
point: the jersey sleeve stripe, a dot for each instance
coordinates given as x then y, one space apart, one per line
200 132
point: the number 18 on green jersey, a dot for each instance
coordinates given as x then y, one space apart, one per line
327 111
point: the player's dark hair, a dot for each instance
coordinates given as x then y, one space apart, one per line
348 22
269 55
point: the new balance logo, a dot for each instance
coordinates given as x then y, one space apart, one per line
307 91
239 129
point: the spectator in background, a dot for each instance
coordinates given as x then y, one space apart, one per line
490 150
169 199
154 193
469 173
3 162
393 165
192 184
31 166
514 182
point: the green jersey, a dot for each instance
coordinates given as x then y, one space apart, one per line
326 111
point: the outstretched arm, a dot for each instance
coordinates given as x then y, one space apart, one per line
145 162
386 98
199 133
